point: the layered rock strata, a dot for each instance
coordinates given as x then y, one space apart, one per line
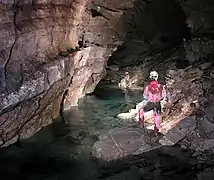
49 59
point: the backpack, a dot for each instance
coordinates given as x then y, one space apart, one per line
155 91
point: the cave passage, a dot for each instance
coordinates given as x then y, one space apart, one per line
63 151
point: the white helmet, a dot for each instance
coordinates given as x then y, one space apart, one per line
153 75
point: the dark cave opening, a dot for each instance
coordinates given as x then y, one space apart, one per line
153 27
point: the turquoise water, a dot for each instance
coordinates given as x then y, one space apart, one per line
63 150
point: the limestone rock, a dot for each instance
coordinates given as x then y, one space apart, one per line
88 71
205 66
114 67
35 105
118 143
179 132
33 76
172 137
198 48
133 115
212 74
47 55
127 116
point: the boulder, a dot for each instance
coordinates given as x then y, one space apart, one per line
121 142
128 116
179 132
133 115
113 68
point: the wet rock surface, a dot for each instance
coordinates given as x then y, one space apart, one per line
179 132
121 142
166 163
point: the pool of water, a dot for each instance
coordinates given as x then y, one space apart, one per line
63 150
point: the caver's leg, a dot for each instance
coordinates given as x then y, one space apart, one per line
157 121
141 117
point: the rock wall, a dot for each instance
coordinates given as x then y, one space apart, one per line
199 16
152 37
150 29
33 76
52 52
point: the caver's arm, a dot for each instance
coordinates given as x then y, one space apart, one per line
146 93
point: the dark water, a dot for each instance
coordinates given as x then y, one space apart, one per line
62 151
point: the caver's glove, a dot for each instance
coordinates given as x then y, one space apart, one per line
145 98
145 101
142 104
163 102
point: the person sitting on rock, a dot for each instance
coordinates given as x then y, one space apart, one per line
154 95
125 82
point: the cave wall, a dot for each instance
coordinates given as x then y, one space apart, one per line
151 27
52 53
199 16
33 75
99 35
162 26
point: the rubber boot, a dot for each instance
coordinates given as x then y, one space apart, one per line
141 117
156 123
